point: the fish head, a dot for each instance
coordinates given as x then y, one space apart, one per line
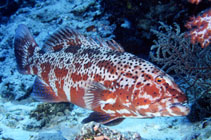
159 95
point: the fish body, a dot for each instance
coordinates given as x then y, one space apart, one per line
97 75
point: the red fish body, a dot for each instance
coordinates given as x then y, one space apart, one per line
97 75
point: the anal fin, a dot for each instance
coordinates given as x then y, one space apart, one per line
102 118
43 92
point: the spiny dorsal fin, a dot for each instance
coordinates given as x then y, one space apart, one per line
67 37
115 46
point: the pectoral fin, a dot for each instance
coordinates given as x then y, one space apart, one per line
93 94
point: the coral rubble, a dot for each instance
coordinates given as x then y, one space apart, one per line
95 131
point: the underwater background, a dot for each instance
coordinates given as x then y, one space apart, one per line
172 34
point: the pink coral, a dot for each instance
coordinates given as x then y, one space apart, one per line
200 29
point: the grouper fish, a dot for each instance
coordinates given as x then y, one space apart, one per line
97 75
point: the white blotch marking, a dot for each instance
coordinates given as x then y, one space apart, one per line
184 109
31 70
165 100
150 114
175 100
168 81
170 111
52 81
109 101
146 96
66 89
160 107
142 107
123 111
126 104
109 111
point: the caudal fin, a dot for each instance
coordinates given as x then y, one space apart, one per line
24 48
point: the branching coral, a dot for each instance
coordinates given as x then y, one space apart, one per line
176 55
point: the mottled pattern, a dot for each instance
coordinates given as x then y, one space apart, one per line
100 76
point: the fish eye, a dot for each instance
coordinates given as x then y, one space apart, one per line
159 80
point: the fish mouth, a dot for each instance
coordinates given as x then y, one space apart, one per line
176 109
180 109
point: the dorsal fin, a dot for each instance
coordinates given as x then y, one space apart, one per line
115 46
67 37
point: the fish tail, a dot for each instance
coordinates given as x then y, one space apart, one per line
25 45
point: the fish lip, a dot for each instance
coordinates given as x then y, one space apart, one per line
175 104
179 104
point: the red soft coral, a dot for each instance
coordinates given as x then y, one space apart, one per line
200 29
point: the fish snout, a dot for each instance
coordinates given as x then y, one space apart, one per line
179 105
